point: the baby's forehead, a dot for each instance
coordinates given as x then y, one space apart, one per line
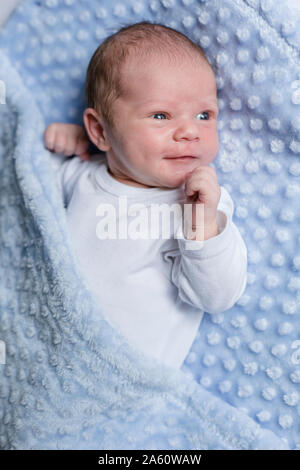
137 72
142 99
142 58
137 66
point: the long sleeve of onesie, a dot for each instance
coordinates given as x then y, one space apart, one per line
212 274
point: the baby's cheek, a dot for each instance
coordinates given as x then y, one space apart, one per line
216 146
212 145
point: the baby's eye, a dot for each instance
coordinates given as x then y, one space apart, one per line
159 116
204 116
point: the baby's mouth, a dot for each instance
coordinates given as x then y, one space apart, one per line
181 158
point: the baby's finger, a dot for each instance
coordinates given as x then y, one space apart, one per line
204 172
49 137
201 184
60 145
194 183
82 147
197 181
67 142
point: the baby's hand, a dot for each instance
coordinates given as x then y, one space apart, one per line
69 139
201 186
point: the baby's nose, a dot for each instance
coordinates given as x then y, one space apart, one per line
187 130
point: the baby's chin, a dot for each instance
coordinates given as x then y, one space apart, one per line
172 182
167 180
177 172
177 180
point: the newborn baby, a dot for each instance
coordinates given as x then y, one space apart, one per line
152 108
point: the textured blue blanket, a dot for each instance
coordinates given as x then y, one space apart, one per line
67 379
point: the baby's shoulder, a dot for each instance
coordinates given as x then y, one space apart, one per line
74 166
73 170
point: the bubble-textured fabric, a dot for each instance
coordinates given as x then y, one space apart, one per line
69 380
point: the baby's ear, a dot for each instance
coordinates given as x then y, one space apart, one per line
94 126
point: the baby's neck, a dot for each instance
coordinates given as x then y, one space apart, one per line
129 182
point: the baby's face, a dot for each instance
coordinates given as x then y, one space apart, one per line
165 124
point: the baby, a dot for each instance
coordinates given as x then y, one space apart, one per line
152 107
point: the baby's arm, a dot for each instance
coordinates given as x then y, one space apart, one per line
68 139
212 275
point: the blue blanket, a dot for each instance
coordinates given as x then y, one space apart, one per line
68 380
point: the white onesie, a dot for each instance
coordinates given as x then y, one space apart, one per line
153 289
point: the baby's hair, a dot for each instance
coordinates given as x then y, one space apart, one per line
143 40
